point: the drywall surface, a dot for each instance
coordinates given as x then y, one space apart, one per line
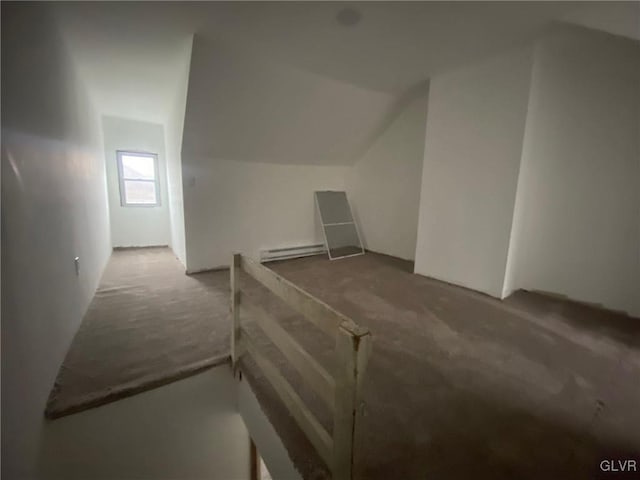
473 145
131 55
264 436
135 226
242 106
189 429
396 45
173 138
384 184
54 208
577 219
243 207
618 18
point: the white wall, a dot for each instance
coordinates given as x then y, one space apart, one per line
384 184
473 143
577 218
239 206
173 138
135 226
54 208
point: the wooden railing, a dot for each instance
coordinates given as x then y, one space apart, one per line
341 392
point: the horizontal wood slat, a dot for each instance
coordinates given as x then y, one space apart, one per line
321 314
315 432
311 371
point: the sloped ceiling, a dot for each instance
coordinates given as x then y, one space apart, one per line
243 107
393 46
285 82
132 66
617 18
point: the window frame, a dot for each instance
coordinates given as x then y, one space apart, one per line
122 180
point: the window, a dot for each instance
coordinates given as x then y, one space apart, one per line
138 173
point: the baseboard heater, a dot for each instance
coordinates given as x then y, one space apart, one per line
291 252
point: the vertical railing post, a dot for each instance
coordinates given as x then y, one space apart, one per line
353 345
235 309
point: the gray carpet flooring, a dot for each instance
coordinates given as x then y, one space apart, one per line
461 385
148 324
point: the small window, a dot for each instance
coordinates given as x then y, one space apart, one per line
138 174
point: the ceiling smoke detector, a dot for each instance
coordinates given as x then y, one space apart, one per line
348 17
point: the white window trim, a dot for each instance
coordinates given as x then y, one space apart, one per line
121 179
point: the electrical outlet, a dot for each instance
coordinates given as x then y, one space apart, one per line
76 262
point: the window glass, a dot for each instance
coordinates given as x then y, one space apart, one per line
136 168
138 179
138 192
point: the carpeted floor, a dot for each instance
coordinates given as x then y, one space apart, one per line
148 324
461 385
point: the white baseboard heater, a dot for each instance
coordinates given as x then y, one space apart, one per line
291 252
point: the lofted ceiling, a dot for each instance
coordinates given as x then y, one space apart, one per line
617 18
131 62
243 107
348 62
393 46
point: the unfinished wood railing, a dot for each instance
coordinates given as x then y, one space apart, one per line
342 391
